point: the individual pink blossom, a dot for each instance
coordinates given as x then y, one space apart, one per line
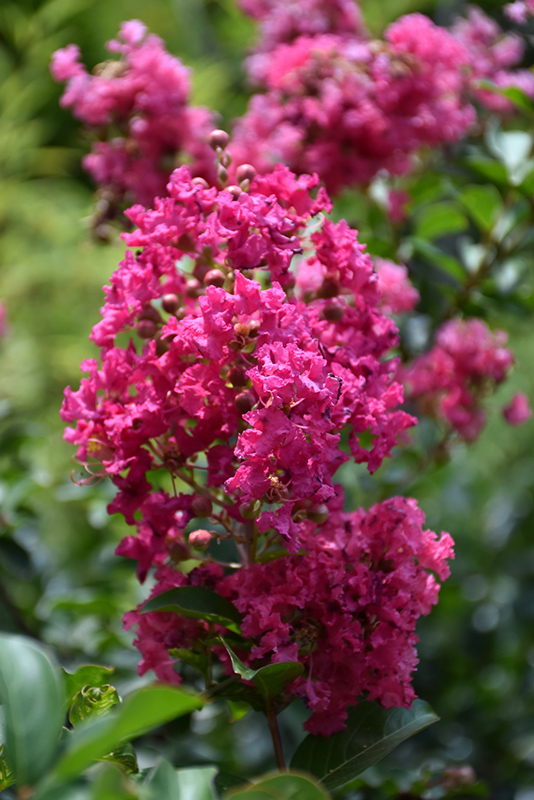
137 109
492 54
347 107
518 410
451 380
398 294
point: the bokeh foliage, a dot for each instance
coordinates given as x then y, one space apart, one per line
59 579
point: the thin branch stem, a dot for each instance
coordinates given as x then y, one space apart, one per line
275 736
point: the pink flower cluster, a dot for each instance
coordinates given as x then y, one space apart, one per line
492 54
346 609
282 21
398 294
239 339
519 10
452 379
347 107
137 108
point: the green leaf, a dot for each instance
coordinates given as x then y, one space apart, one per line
124 756
484 204
194 783
145 709
112 784
513 148
513 93
372 732
488 168
435 255
6 776
197 602
88 675
32 692
439 219
92 701
226 780
286 786
270 680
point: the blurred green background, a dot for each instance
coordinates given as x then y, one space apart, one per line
59 578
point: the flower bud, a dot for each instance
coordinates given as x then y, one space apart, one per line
146 329
333 312
237 376
250 510
235 191
170 303
162 346
329 288
222 175
245 401
200 182
149 312
245 172
214 278
318 513
200 539
177 550
218 138
201 505
193 288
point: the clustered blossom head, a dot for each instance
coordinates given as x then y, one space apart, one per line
452 379
492 54
398 294
346 609
282 21
239 338
519 10
347 107
138 110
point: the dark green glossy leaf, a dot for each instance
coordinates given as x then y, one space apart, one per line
32 692
194 783
112 784
145 709
439 219
286 786
92 701
124 756
225 781
88 675
484 204
270 680
199 661
197 602
371 733
489 168
6 776
436 256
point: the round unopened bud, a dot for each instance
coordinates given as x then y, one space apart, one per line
218 138
201 506
245 401
237 376
333 312
235 191
193 288
250 510
200 270
200 539
290 283
177 550
146 328
329 288
245 172
200 182
457 778
214 278
318 513
149 312
162 346
170 303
